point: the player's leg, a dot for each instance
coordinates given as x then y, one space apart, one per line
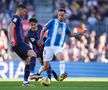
60 56
23 56
40 55
27 52
47 56
26 70
32 56
49 71
26 74
40 60
44 67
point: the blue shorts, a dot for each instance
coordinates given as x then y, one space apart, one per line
21 50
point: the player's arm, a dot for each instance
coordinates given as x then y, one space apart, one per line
70 34
42 33
47 26
11 32
40 41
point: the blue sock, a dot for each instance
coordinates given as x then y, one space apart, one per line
26 72
32 65
49 72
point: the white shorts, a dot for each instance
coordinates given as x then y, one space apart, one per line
50 51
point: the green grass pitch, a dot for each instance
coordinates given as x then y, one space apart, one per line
65 85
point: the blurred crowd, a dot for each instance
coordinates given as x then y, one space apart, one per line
87 48
87 11
81 14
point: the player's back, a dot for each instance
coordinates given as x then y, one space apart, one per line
18 30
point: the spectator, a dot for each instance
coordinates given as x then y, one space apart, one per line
3 46
74 52
92 19
101 49
92 51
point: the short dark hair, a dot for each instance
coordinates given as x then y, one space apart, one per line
21 6
61 9
33 20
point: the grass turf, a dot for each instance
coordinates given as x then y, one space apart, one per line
71 85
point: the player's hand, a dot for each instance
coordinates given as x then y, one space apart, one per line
40 42
83 32
12 43
11 49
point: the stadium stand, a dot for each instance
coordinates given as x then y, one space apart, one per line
81 14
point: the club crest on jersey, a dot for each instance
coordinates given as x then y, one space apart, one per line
32 39
59 31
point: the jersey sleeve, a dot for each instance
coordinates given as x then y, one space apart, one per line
15 20
49 24
68 29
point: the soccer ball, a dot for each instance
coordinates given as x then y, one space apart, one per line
45 81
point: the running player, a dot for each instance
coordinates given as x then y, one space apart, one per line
19 46
33 36
57 29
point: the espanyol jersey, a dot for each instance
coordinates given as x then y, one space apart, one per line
56 32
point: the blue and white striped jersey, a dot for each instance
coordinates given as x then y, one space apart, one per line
56 32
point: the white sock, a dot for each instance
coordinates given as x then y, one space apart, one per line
62 67
25 82
40 70
31 73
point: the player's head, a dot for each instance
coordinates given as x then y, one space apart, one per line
61 14
33 24
21 10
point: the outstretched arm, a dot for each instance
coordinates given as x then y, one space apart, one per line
70 34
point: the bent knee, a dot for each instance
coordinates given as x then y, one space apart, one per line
31 53
60 56
27 62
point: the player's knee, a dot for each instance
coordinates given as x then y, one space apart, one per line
31 53
60 57
27 62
